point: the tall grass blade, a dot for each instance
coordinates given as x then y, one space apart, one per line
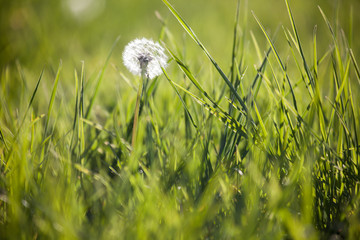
194 37
342 121
354 120
315 53
76 112
333 35
278 59
307 83
218 112
259 76
75 136
3 140
344 80
311 79
181 99
261 122
234 45
52 98
355 65
81 133
191 77
24 117
30 103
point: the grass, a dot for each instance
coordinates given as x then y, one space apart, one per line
264 152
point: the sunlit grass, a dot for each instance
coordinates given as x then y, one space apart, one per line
265 148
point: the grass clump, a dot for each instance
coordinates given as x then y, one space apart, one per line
269 152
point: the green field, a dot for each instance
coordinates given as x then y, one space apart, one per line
251 131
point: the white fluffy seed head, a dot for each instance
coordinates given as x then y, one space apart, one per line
144 53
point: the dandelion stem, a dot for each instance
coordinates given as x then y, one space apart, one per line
137 106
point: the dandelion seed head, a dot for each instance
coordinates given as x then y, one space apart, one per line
144 54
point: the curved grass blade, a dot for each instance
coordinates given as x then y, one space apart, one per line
30 102
81 133
236 78
258 77
354 117
52 98
234 45
181 99
278 59
315 52
27 110
103 129
194 37
344 81
188 73
79 109
311 79
336 45
289 36
355 65
339 91
193 79
218 112
76 99
3 140
342 121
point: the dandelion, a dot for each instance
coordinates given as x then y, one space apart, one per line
143 56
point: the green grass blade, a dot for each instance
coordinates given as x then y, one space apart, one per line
188 73
354 120
181 99
333 35
218 112
253 92
3 140
103 129
73 137
351 24
289 37
98 126
327 22
344 81
325 55
311 79
342 121
278 59
33 95
261 122
194 37
26 112
52 98
322 124
76 113
30 102
233 52
81 133
355 65
315 53
99 79
256 45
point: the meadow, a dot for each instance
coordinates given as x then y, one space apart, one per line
250 131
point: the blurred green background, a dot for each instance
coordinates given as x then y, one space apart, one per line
38 32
